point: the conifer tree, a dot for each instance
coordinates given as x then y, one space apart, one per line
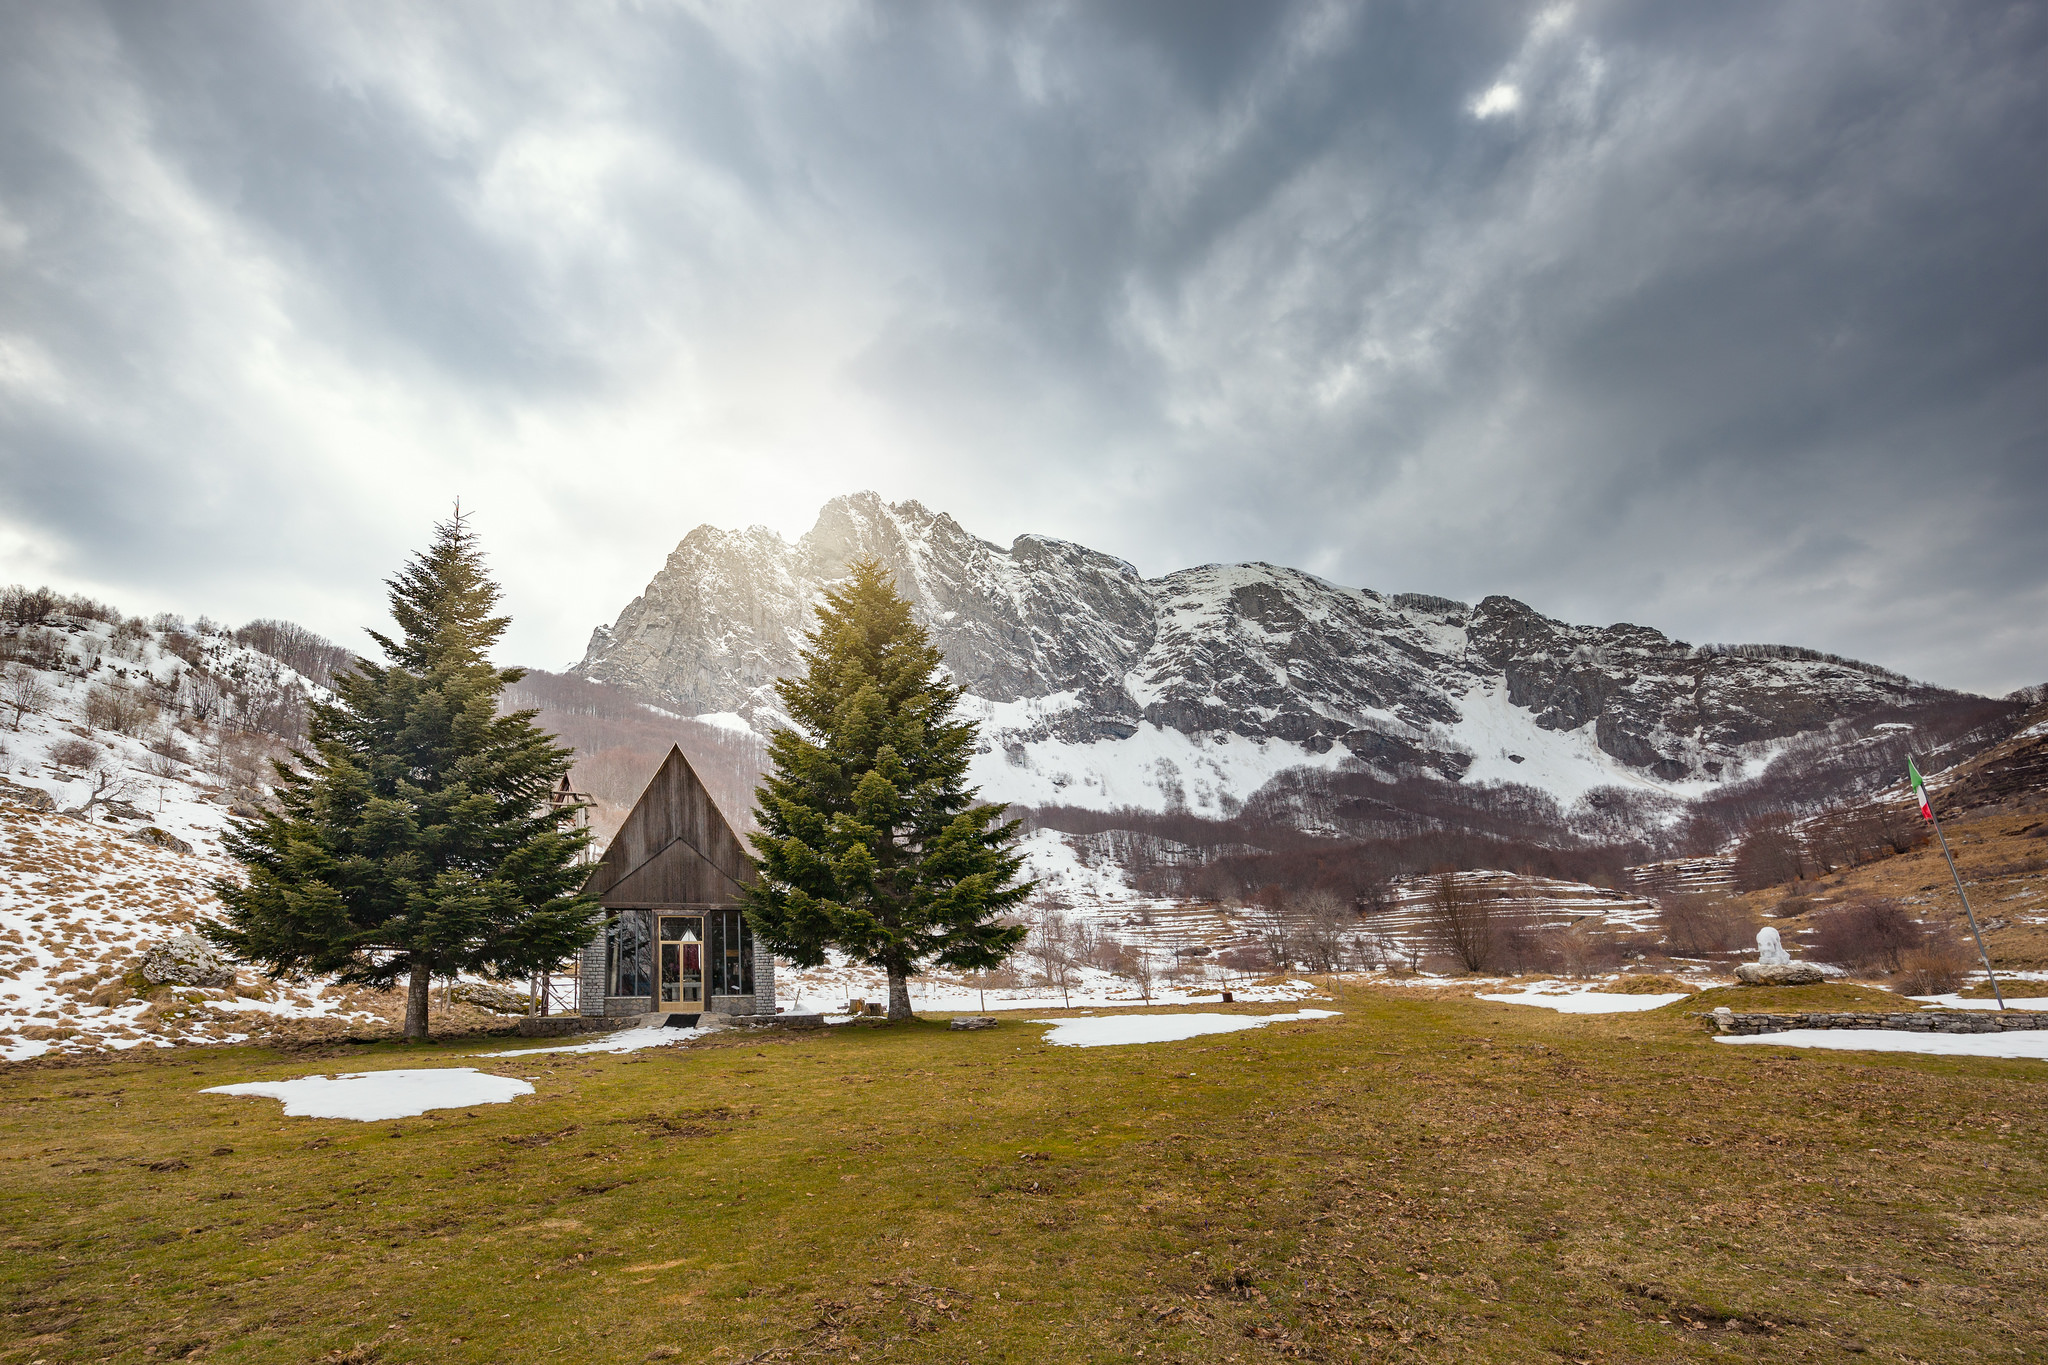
871 841
413 837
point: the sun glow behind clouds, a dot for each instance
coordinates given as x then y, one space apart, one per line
1499 100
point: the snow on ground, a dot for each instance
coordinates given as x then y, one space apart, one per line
1953 1001
828 989
2032 1043
1117 1031
372 1096
1584 999
625 1040
1156 769
1053 860
1565 763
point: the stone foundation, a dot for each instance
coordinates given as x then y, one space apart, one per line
562 1025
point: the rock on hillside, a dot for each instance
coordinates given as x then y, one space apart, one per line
1099 687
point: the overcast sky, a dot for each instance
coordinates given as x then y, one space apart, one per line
1730 319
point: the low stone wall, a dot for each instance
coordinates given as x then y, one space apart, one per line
1928 1021
562 1025
776 1020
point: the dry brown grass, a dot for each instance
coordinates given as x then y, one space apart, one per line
1421 1179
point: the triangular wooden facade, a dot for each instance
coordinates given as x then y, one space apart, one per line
674 850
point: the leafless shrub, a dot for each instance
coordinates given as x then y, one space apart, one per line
1935 967
111 706
185 646
203 696
23 692
75 754
1872 935
1577 952
1695 925
1463 922
1525 949
1139 969
38 649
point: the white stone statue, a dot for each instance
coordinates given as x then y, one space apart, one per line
1770 949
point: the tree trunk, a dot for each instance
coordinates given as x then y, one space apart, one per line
418 992
899 994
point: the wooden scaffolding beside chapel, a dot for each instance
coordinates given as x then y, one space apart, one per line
676 941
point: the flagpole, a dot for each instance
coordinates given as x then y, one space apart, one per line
1975 932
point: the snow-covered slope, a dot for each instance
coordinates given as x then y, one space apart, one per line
132 745
1099 688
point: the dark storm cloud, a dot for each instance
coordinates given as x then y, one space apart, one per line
1730 319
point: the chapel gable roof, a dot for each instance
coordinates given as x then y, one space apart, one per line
674 849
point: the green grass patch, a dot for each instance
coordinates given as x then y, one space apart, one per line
1419 1179
1824 998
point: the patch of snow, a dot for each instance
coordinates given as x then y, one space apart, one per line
725 720
1117 1031
1155 769
21 1049
2031 1043
371 1096
1953 1001
1565 763
625 1040
1555 995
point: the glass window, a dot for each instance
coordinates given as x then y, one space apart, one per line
731 945
629 953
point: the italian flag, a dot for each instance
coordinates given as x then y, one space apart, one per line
1919 789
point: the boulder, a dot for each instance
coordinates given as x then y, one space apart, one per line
1779 973
485 995
186 960
34 798
972 1021
157 838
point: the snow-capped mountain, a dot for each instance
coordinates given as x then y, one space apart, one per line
1100 688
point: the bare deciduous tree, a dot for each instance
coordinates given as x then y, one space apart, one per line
1272 930
110 782
1324 924
1053 946
1696 924
23 692
1462 920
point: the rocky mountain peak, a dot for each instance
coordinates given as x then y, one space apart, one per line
1099 686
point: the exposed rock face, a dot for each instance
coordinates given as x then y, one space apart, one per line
186 960
1252 651
157 838
33 798
484 995
1779 974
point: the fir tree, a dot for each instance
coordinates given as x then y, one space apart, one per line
871 841
414 837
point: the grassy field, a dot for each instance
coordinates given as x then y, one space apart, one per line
1419 1179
